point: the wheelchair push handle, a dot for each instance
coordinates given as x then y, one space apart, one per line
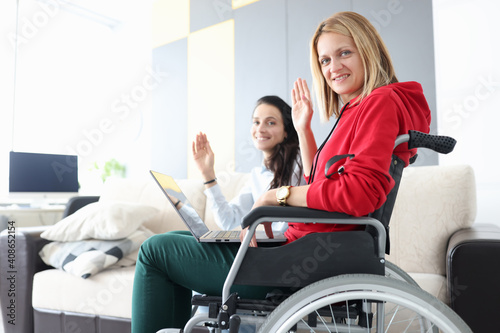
439 143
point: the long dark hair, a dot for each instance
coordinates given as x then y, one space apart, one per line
286 154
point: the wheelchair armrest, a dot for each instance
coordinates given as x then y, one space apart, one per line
291 214
308 215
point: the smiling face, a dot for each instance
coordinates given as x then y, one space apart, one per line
267 128
341 65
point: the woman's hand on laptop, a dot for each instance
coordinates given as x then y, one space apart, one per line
268 228
253 241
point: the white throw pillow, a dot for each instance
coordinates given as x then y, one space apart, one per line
101 220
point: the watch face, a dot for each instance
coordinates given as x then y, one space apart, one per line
282 192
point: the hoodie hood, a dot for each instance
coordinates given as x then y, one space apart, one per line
412 97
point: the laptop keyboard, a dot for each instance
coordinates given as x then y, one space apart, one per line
225 234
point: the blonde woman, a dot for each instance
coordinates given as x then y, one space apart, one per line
355 82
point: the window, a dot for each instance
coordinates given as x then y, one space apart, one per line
81 72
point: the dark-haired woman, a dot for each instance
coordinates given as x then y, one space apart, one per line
273 134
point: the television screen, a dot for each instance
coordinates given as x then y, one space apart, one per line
34 172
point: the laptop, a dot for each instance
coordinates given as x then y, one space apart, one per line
193 221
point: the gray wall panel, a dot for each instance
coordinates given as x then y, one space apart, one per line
260 68
169 128
303 19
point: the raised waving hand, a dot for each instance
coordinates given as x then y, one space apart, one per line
204 156
302 113
302 110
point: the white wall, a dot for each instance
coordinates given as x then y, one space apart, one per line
7 22
467 50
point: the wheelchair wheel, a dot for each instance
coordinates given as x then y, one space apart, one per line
363 303
393 271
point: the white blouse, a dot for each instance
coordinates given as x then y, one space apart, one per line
228 215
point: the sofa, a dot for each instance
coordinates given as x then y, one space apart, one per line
431 227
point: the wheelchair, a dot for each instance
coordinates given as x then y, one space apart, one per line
340 281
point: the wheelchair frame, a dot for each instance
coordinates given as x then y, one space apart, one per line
361 283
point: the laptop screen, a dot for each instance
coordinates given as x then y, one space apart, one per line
186 211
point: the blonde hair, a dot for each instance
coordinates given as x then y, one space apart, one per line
377 63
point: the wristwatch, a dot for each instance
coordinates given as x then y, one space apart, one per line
282 194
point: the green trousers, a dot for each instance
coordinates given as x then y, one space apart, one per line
169 267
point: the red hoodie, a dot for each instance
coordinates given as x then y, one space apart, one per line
367 130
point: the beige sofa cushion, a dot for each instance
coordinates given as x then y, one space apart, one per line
434 284
108 293
433 202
